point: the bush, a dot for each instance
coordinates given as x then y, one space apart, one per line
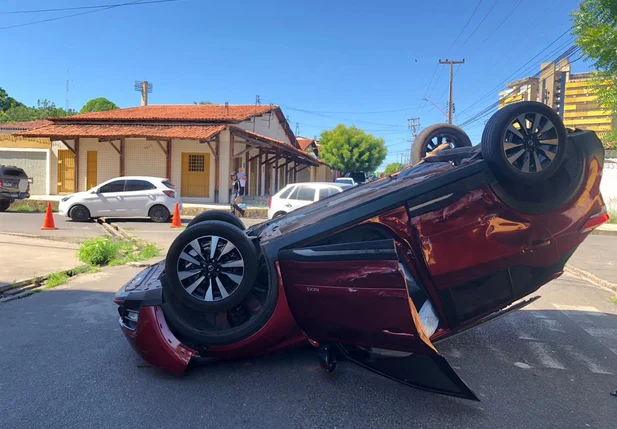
98 251
56 279
107 251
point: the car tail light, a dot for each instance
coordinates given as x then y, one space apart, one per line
170 194
1 184
269 202
595 221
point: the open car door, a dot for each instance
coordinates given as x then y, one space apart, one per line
356 296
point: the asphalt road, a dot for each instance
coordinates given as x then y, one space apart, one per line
66 364
597 255
30 224
160 233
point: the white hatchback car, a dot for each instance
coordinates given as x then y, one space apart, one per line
123 197
297 195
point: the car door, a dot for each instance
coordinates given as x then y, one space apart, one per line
302 196
107 200
355 296
138 196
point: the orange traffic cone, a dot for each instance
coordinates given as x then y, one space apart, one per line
176 222
49 219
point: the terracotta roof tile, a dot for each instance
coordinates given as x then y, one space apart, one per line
304 142
23 125
194 132
178 112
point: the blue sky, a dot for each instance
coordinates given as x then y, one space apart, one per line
324 62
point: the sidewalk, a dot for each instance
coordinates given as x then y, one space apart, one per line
24 257
597 256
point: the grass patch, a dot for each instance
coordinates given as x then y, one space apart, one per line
32 206
56 279
614 300
104 251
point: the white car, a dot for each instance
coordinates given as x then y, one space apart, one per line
123 197
345 182
297 195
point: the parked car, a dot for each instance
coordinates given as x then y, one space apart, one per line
297 195
345 182
359 177
123 197
381 273
14 185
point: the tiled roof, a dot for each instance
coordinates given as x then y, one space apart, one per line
68 131
304 142
177 112
23 125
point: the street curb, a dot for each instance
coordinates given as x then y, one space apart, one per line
596 281
599 231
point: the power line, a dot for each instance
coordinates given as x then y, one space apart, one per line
501 23
483 19
61 9
133 3
465 26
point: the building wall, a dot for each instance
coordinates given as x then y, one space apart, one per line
190 146
35 162
581 109
108 161
11 141
266 126
144 158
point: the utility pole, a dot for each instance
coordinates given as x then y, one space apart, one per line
413 125
450 103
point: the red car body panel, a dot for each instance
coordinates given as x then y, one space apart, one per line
156 344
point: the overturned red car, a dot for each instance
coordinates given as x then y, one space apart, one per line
378 274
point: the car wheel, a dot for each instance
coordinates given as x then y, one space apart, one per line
217 215
525 142
278 214
4 205
211 266
79 213
159 214
430 138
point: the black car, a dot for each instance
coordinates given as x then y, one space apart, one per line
14 185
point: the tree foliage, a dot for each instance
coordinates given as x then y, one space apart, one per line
7 102
351 150
100 104
44 109
595 26
393 168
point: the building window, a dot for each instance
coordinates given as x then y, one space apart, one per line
197 163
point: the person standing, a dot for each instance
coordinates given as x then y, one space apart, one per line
236 194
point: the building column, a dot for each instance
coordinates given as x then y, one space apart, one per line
76 170
122 141
168 160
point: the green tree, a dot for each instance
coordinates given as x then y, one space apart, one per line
393 168
7 102
351 150
44 109
595 26
100 104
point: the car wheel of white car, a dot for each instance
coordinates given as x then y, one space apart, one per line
159 214
79 213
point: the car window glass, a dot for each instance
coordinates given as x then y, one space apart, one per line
294 194
333 191
324 193
286 193
168 184
115 186
138 185
306 193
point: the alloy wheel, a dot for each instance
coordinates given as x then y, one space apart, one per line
440 139
210 268
530 142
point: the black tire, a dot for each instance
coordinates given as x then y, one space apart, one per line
159 214
210 271
432 136
278 214
79 213
515 151
217 215
4 204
